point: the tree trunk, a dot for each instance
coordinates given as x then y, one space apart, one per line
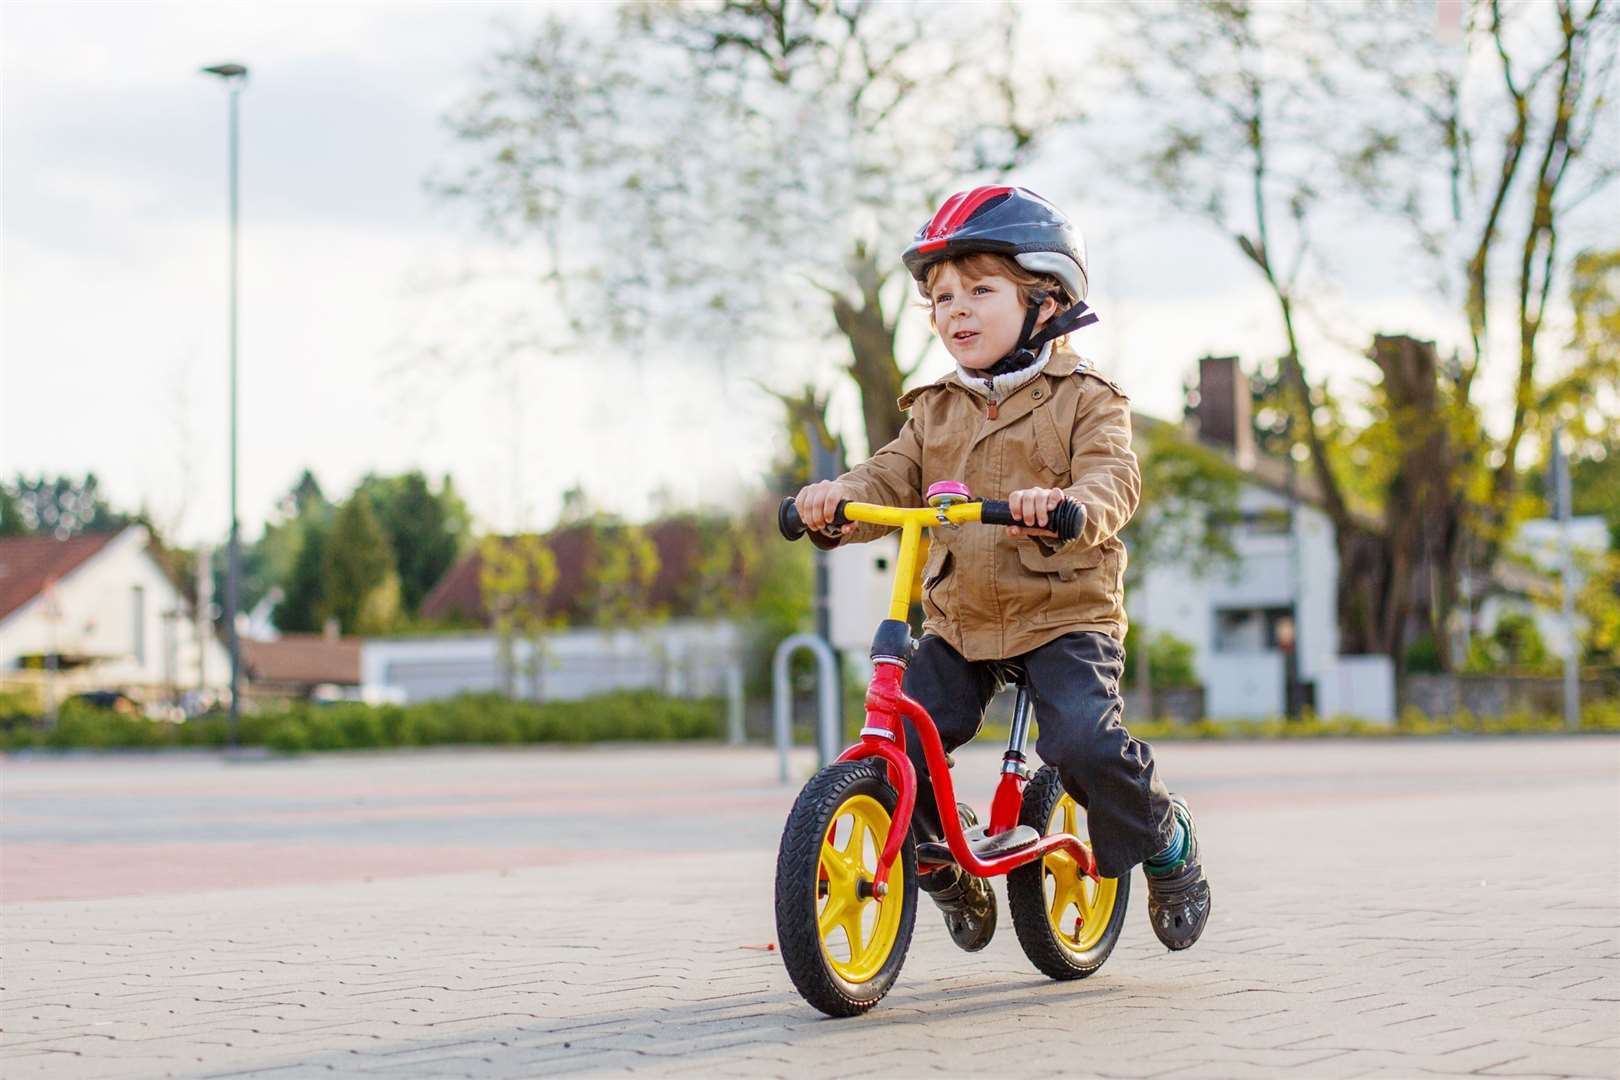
871 344
1405 573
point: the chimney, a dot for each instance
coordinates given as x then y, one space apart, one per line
1223 407
330 630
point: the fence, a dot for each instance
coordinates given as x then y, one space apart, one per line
1494 695
682 658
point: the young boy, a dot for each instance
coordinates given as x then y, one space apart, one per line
1025 419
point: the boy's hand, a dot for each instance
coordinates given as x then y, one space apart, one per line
1031 506
817 504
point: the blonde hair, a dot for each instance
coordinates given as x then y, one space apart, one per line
978 265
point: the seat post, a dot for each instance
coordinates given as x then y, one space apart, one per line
1019 733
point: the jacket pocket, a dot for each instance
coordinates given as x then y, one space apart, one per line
1066 564
936 572
1062 584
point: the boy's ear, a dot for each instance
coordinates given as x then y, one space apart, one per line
1049 306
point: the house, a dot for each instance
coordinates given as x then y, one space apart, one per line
98 613
1528 581
304 666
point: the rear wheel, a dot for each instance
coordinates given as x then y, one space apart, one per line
843 947
1066 922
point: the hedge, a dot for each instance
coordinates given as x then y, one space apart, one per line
481 718
1596 717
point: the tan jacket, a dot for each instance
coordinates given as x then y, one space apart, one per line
992 595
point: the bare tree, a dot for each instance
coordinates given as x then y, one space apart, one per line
1484 146
737 174
1248 105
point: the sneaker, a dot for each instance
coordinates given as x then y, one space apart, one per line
967 902
1178 896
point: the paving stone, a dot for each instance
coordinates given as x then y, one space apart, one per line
615 957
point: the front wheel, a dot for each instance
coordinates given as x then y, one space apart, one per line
1066 922
843 947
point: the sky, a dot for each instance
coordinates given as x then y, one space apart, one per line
113 295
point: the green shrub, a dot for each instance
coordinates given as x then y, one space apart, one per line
288 736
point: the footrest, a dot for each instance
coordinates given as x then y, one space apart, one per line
983 847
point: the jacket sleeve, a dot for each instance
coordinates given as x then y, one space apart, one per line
890 477
1106 477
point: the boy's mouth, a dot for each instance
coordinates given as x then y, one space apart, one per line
965 335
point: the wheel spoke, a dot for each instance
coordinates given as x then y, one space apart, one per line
1070 824
1084 899
857 851
833 915
851 922
1062 897
836 865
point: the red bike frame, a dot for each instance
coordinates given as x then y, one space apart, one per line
884 736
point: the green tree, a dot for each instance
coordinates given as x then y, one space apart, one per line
273 560
515 579
11 519
1189 502
426 529
359 586
61 506
619 576
303 594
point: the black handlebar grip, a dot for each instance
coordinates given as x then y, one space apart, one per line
996 512
787 520
792 526
1066 520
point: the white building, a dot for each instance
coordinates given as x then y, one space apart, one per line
1277 600
1540 543
680 657
105 614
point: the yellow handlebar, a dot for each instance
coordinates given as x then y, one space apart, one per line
911 521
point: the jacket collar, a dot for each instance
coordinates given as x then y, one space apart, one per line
1064 361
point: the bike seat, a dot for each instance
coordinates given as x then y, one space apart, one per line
983 847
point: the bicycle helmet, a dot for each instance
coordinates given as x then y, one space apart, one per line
1019 224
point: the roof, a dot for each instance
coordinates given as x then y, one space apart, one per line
29 563
1264 470
303 659
458 595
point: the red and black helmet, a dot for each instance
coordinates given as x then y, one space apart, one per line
1011 221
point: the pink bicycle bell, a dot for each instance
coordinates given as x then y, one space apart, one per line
947 493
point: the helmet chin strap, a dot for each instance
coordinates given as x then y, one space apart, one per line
1029 348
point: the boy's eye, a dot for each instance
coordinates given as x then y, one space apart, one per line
981 288
942 298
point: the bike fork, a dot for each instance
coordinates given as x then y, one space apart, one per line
1009 798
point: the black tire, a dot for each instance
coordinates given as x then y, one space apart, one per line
1027 900
821 805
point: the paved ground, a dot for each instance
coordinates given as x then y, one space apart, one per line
1381 909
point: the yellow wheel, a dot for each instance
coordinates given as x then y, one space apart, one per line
1066 922
842 945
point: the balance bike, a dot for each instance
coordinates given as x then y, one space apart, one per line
846 871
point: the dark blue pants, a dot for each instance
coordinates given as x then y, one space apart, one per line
1074 686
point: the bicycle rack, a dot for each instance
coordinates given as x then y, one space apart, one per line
829 708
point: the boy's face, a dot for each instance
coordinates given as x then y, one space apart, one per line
978 318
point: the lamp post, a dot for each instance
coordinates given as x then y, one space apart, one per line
234 76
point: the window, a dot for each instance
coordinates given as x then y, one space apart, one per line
137 603
1270 521
1253 629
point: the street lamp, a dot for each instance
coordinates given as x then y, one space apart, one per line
234 76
